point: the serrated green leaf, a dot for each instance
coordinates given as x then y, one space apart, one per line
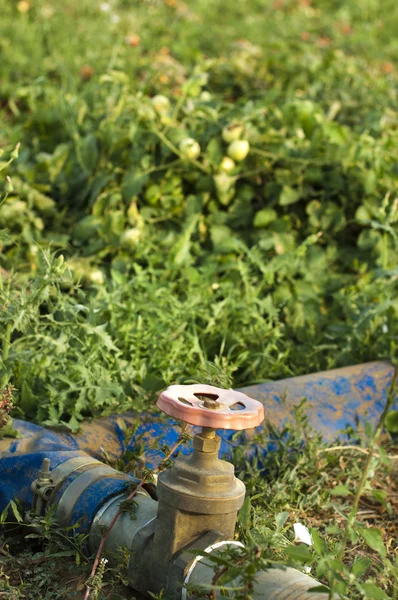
360 566
373 592
374 539
341 490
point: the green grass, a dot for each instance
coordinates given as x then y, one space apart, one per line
125 265
284 266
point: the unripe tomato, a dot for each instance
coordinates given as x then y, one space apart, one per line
96 276
130 238
227 164
205 96
232 132
190 148
225 186
146 112
238 150
161 104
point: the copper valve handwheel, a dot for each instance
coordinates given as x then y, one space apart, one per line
209 406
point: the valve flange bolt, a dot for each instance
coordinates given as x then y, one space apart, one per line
44 473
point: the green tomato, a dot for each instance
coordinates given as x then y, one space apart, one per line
130 238
161 104
227 164
96 276
146 112
225 186
189 148
205 96
232 132
238 150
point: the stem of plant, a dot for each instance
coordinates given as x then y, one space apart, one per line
117 515
176 151
6 349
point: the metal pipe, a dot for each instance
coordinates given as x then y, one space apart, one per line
283 583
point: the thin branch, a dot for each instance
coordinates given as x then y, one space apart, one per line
176 151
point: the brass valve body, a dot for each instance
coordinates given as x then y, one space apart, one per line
198 494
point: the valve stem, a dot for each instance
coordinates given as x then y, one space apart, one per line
208 432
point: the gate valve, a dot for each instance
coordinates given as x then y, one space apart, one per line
199 496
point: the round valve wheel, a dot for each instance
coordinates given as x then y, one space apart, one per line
209 406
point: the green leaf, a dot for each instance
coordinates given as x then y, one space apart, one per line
319 588
264 217
317 541
281 519
369 181
88 152
391 421
4 514
28 399
181 251
300 553
244 514
288 196
16 512
373 592
132 185
99 330
381 496
223 239
214 151
383 456
341 490
374 539
362 213
360 566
